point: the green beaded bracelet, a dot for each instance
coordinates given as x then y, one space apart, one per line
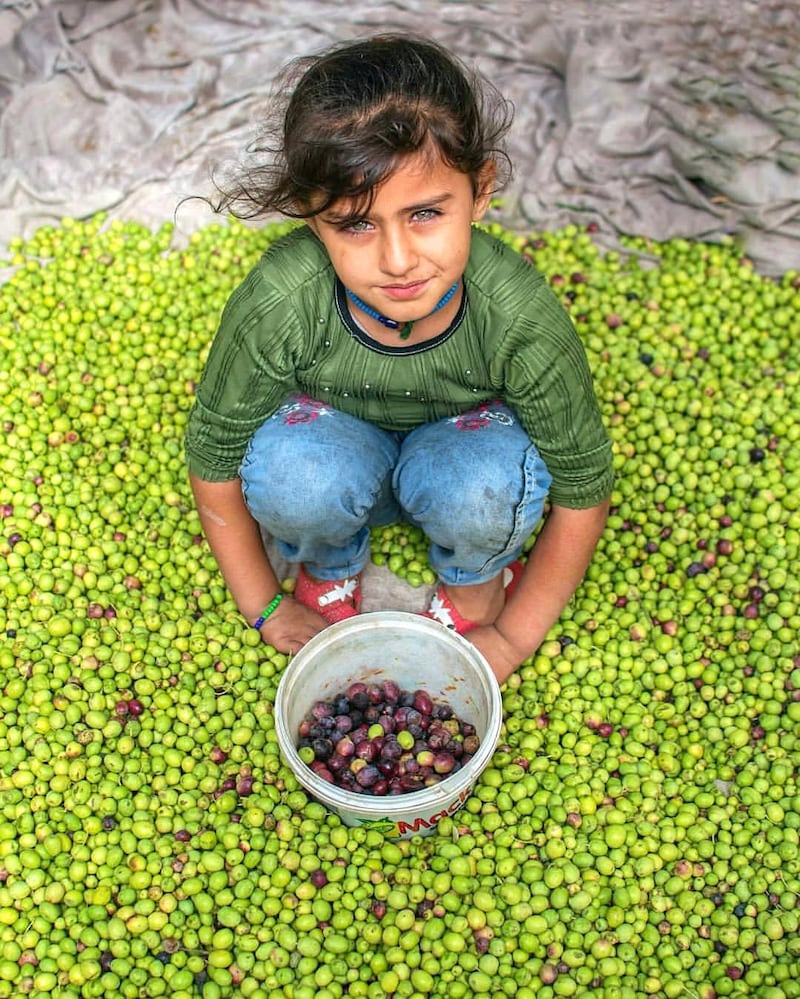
271 606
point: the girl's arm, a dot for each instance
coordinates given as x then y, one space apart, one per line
235 542
555 567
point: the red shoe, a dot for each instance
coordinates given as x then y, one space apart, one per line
334 599
442 609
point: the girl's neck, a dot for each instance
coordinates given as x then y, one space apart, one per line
393 332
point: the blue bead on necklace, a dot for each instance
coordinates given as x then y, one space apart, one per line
393 324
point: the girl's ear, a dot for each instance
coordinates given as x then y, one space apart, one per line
485 189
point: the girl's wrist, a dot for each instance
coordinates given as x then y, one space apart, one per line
270 609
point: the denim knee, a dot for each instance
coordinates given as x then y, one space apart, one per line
478 496
320 477
306 496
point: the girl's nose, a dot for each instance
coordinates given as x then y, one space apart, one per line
397 252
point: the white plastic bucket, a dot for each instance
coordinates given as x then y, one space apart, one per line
418 654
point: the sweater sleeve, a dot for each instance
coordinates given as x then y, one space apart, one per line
549 384
248 374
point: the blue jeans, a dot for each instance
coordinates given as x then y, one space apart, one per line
318 480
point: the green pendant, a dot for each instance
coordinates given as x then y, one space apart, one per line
405 332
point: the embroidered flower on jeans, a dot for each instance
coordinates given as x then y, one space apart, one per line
301 409
300 416
471 421
482 416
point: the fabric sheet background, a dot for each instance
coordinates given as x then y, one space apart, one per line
659 118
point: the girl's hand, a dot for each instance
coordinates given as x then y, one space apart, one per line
501 655
291 625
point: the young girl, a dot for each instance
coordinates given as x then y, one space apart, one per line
389 361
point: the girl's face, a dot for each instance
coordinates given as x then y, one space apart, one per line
413 242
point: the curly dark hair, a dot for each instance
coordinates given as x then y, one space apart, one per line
343 120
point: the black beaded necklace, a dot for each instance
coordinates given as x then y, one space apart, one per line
393 324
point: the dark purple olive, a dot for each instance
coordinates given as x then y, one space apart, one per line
341 704
322 729
375 693
360 700
391 752
360 733
400 718
322 748
244 785
422 702
365 750
438 739
391 691
368 776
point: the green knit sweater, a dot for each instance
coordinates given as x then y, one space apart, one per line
287 329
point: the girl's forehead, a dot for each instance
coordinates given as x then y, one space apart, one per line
415 177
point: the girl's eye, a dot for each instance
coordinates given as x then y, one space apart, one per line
355 225
424 214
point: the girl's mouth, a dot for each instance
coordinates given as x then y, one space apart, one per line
404 292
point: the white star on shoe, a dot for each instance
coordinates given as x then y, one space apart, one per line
439 610
341 591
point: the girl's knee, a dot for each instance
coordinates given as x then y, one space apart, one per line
470 505
493 503
301 479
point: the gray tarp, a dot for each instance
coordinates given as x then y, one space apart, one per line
667 119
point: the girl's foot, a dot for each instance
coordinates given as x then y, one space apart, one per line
333 599
442 609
